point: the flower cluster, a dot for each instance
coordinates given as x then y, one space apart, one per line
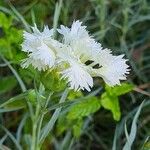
78 56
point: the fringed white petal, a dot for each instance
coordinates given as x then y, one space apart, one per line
44 54
112 68
40 47
37 64
82 44
33 40
78 77
76 32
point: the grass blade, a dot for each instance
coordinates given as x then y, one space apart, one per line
131 137
18 146
120 126
48 127
22 85
20 17
3 139
18 135
18 97
8 110
56 16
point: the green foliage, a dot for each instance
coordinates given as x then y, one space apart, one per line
84 108
32 97
5 22
73 120
7 84
20 101
10 39
77 128
65 124
111 103
110 100
131 137
146 146
120 90
16 102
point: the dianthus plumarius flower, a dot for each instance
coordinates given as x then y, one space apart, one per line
41 49
86 54
79 57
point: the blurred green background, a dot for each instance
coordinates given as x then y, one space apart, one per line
121 25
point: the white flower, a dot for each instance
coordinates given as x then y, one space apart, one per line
82 49
78 77
112 68
79 57
41 49
83 46
42 58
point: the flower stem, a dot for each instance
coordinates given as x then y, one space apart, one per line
34 128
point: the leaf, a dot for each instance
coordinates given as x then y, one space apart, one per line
13 99
15 102
138 20
62 125
111 103
21 83
32 97
5 22
18 146
120 89
8 110
20 127
48 127
84 108
146 146
3 139
18 104
77 128
7 84
20 17
131 137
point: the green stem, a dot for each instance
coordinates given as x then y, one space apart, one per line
41 120
49 126
34 128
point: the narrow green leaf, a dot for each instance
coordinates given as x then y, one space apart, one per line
139 19
8 11
131 137
20 17
10 109
146 145
18 146
14 99
3 139
74 101
21 83
18 134
48 127
56 16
